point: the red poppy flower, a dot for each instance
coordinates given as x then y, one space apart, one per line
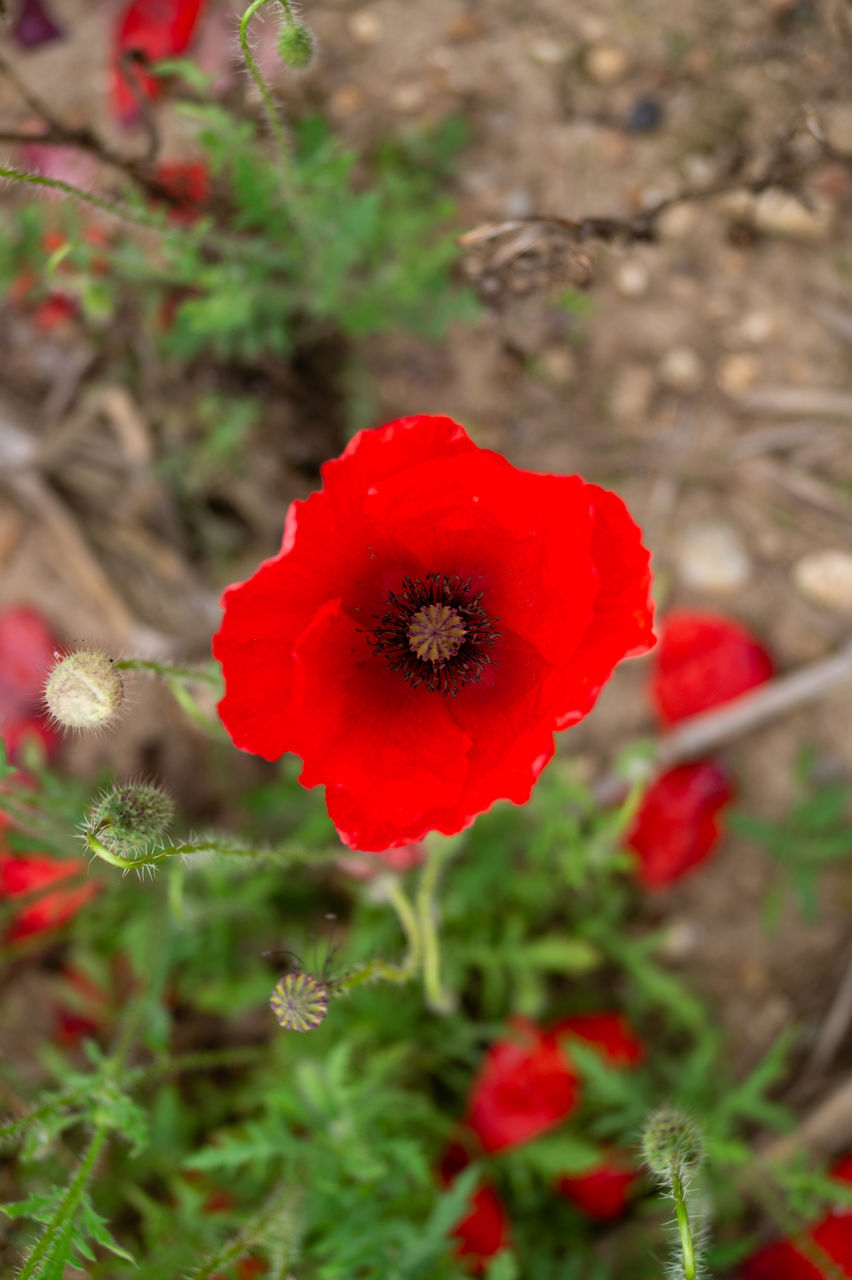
603 1192
154 29
25 873
786 1260
433 616
27 649
703 660
678 823
484 1229
186 183
527 1083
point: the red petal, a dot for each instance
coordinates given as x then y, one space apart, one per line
604 1191
703 661
524 1087
484 1230
610 1032
156 29
25 873
677 825
27 648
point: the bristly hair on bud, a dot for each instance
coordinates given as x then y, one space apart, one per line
671 1145
296 45
84 690
131 818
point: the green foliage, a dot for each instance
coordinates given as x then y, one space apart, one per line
813 835
298 1138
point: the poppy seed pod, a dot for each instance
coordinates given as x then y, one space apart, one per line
84 691
130 818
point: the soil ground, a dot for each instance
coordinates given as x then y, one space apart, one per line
708 381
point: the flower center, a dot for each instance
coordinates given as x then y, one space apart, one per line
435 632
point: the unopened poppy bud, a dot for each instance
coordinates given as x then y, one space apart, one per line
130 818
84 691
671 1144
295 45
299 1001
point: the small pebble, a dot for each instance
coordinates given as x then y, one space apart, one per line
836 122
644 116
782 214
677 222
366 26
681 369
558 365
547 53
738 373
632 393
606 63
346 100
825 577
711 556
409 97
632 278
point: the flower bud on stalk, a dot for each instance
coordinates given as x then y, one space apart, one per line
671 1145
130 818
296 45
84 691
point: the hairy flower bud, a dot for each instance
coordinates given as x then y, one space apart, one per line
296 45
671 1144
130 818
299 1001
84 691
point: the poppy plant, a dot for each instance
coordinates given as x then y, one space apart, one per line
602 1192
433 616
28 873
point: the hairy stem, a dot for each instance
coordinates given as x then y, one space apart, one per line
438 1000
58 1228
280 136
137 217
684 1230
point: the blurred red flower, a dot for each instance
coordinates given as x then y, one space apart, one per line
703 660
186 183
602 1192
25 873
483 1230
527 1083
678 823
434 615
27 648
786 1260
154 29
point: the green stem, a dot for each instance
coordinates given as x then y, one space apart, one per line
279 1206
380 969
205 675
438 1000
687 1247
139 218
274 119
294 855
68 1205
